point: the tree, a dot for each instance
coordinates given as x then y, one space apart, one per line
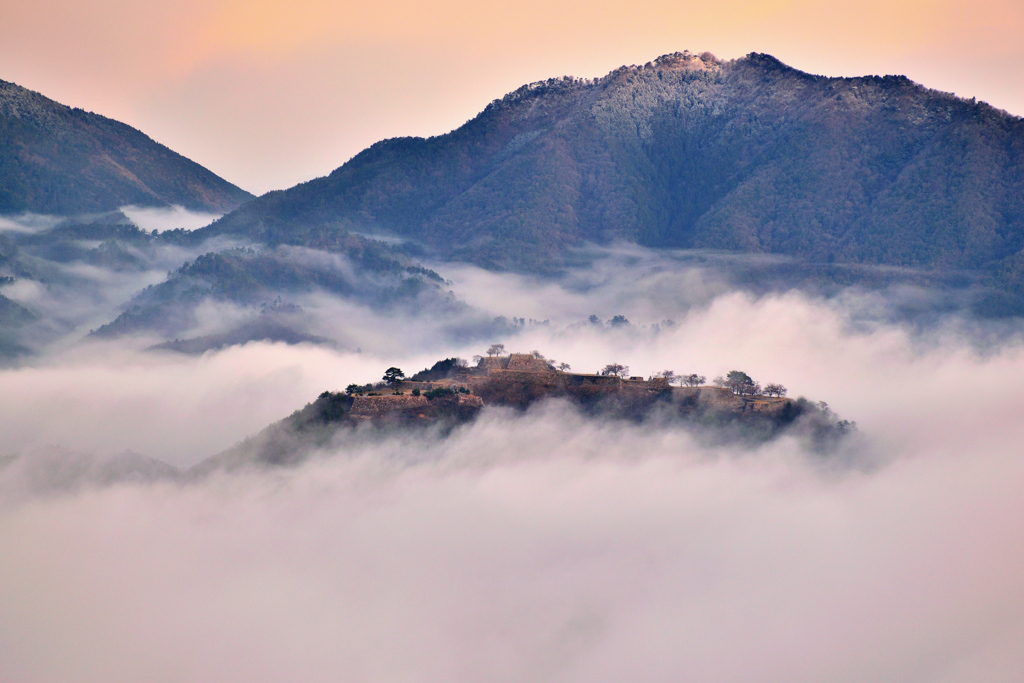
695 380
393 377
668 375
477 359
564 367
741 383
354 390
537 354
618 321
616 369
775 390
594 320
495 349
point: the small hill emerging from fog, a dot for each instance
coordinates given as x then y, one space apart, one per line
59 160
689 151
458 393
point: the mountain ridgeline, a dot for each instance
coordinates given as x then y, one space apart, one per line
64 161
690 151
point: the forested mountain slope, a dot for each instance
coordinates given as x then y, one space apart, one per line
692 152
59 160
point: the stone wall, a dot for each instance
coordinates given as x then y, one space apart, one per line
525 362
653 384
492 363
406 406
364 407
610 382
765 404
722 398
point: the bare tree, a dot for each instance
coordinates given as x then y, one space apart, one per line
668 375
537 354
477 359
695 380
564 367
495 349
616 369
775 390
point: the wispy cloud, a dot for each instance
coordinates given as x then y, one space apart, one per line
169 218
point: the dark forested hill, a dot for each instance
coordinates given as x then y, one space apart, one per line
59 160
689 151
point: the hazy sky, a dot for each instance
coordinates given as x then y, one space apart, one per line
268 93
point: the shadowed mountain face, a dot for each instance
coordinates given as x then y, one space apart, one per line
59 160
692 152
354 268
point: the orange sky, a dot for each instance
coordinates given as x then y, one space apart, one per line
268 93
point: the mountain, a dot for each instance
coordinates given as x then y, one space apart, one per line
59 160
518 381
349 266
689 151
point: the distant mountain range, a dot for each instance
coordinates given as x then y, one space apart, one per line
64 161
689 151
872 181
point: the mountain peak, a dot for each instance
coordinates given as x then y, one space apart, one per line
61 160
689 151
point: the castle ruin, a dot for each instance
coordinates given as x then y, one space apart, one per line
519 379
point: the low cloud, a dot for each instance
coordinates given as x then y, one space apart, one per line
168 218
651 285
28 223
537 546
108 397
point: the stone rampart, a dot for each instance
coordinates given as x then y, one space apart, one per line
609 382
492 363
717 398
653 384
765 404
364 407
525 362
408 385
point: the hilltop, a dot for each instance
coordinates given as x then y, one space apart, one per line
58 160
452 393
690 151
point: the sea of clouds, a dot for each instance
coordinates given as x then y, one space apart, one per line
536 546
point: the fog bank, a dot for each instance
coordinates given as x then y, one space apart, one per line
169 218
544 547
108 398
525 547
